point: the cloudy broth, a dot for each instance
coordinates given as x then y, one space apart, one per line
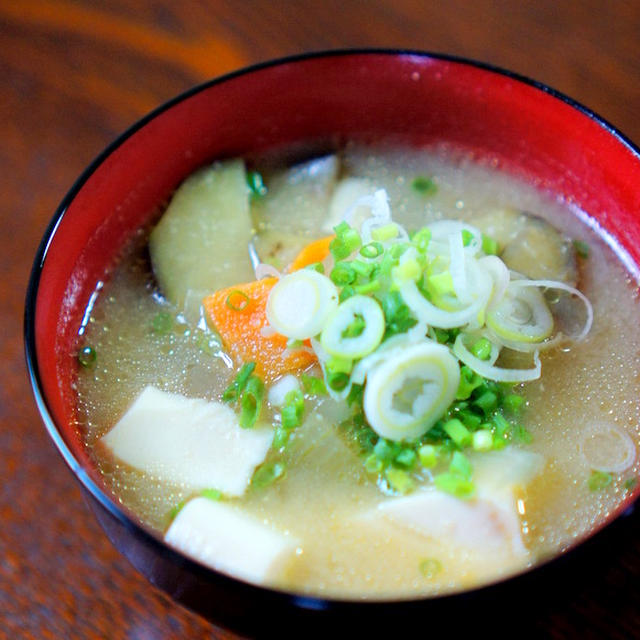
323 501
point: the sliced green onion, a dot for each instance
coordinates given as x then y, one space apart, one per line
300 302
424 185
407 458
237 300
385 232
339 338
599 480
430 567
460 465
256 185
410 389
421 238
491 372
489 245
487 401
582 248
482 349
235 389
467 237
428 456
316 266
513 402
362 269
398 318
346 293
87 356
372 250
268 473
212 494
373 464
293 409
399 480
457 432
482 440
280 438
455 485
337 380
347 241
314 386
251 402
368 288
522 315
343 274
162 322
385 450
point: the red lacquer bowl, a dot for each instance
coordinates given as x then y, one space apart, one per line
408 97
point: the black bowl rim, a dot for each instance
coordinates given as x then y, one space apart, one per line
140 531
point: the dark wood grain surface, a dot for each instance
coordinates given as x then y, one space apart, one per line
73 75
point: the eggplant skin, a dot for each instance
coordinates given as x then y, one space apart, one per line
530 245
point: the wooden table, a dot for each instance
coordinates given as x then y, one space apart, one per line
74 74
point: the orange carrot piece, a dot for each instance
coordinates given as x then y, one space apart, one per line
239 314
316 251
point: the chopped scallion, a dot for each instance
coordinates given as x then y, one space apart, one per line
372 250
251 402
257 188
582 248
424 185
162 322
212 494
235 389
457 432
599 480
87 356
314 386
268 473
399 480
430 567
237 300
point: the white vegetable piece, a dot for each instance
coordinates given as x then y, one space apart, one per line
279 390
489 522
346 193
188 441
481 524
201 240
227 540
333 338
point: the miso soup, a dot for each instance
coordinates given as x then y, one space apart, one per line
375 373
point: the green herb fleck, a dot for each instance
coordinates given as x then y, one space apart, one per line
582 248
267 473
424 185
257 188
430 567
599 480
87 356
212 494
162 322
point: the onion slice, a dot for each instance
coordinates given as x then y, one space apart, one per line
490 371
410 390
300 303
357 308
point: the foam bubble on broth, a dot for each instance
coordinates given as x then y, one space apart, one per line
599 379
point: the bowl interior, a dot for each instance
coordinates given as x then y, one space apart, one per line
411 98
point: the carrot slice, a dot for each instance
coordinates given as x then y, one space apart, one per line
239 315
316 251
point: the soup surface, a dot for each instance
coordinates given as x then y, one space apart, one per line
358 525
